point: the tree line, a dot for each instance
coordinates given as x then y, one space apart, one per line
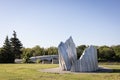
104 53
13 49
37 51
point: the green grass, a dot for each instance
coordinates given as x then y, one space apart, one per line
31 72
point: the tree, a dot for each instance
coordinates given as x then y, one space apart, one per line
38 51
80 50
6 55
117 52
27 53
45 51
0 55
16 45
52 51
106 53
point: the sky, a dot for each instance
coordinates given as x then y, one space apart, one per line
48 22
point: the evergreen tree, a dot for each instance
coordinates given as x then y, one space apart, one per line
6 53
16 45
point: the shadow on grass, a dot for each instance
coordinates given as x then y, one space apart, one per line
104 70
115 70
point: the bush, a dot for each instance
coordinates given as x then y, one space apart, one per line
38 61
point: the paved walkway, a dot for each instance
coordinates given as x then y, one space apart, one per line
54 70
58 70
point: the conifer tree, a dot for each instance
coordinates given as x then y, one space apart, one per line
6 52
16 45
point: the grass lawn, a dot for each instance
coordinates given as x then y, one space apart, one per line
31 72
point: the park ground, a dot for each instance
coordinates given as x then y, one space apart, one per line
32 72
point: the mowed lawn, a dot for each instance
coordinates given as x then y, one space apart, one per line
32 72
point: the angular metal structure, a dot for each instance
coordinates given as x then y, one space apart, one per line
68 58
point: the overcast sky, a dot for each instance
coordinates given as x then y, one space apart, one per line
47 22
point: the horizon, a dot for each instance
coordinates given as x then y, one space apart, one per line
48 22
